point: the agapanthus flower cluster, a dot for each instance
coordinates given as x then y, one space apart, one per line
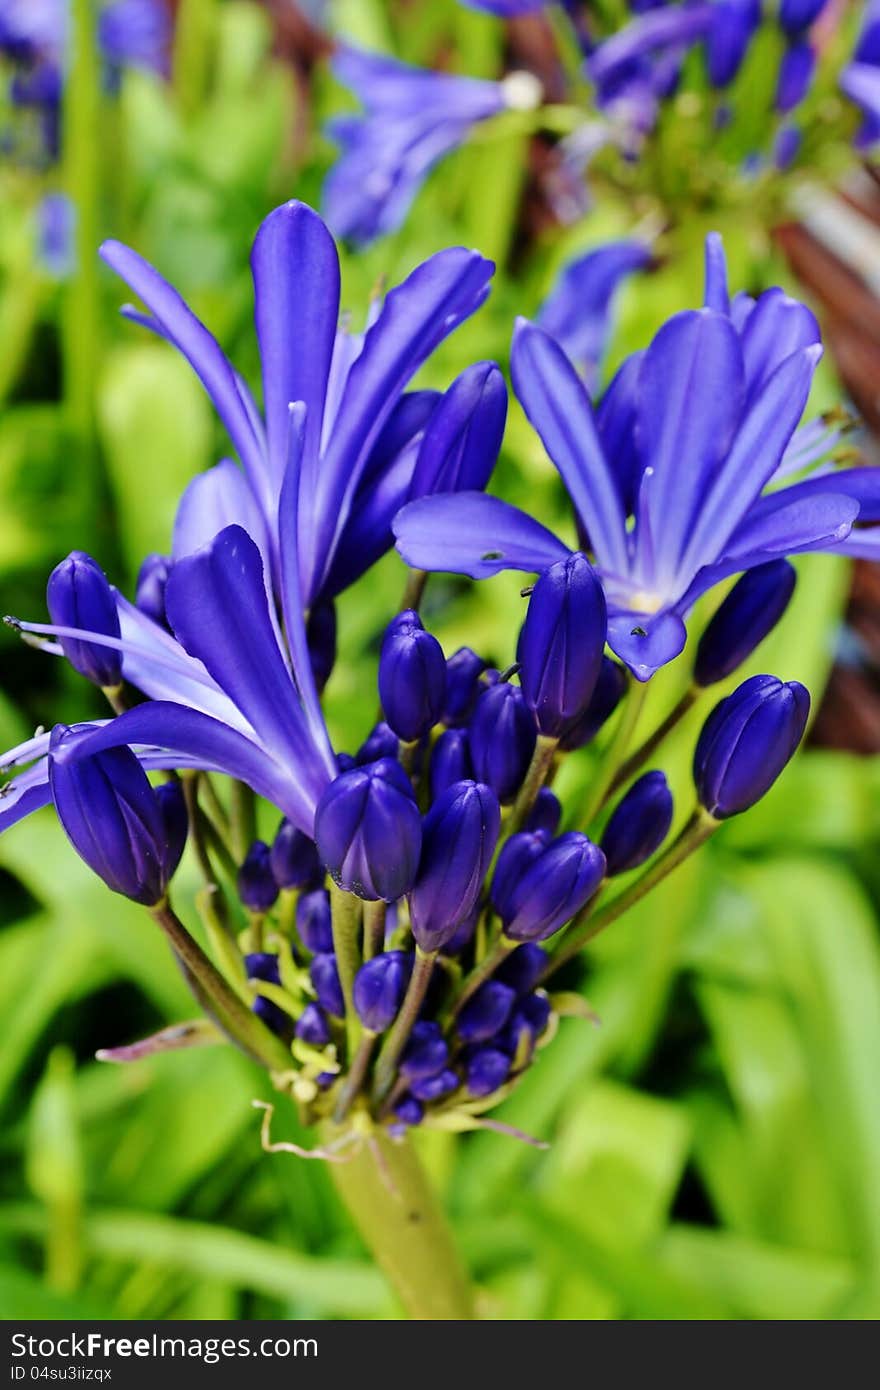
710 95
388 947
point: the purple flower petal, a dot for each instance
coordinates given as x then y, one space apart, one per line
472 533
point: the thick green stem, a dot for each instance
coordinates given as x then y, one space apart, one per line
414 590
374 928
585 926
646 750
397 1039
356 1076
539 768
217 998
626 727
391 1201
346 910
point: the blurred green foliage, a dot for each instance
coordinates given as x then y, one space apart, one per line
715 1137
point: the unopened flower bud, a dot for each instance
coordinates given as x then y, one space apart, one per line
638 825
517 853
409 1110
412 677
746 742
314 921
382 742
487 1069
749 612
450 761
562 642
546 813
324 975
554 887
609 691
312 1026
294 858
463 671
79 595
435 1087
369 831
379 987
503 734
487 1011
128 833
426 1053
256 882
523 968
149 594
460 834
262 965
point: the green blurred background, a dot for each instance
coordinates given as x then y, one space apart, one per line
715 1137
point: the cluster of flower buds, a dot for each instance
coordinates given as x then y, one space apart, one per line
399 957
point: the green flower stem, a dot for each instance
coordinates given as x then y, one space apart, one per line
356 1076
346 910
213 915
482 972
626 727
242 819
646 750
397 1038
81 309
229 1012
539 769
392 1203
374 928
414 590
585 926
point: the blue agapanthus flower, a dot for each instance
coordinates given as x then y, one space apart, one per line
341 447
341 444
674 476
412 118
577 312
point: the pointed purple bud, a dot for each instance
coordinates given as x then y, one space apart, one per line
750 611
526 1024
487 1011
412 677
746 742
312 1026
256 882
460 834
523 968
175 821
450 761
562 642
487 1069
262 965
554 887
321 640
381 743
129 835
149 594
639 824
435 1087
795 75
294 858
426 1053
345 762
463 436
409 1110
730 33
517 853
503 734
324 975
314 921
379 987
546 813
609 691
78 594
463 671
369 831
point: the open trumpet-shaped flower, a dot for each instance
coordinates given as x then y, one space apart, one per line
357 434
413 117
670 477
